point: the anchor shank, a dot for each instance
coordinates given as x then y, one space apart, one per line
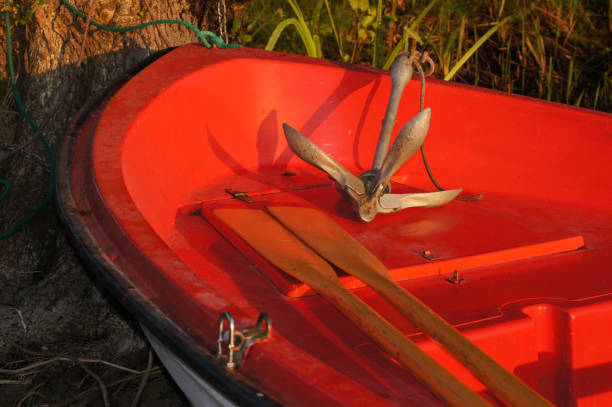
401 72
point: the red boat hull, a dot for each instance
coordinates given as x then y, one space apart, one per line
147 165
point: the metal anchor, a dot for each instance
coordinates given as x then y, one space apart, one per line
370 192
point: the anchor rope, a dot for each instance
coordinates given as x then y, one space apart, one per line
426 58
205 37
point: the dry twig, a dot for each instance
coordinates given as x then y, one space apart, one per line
28 381
33 392
84 43
100 383
26 369
82 362
87 393
145 378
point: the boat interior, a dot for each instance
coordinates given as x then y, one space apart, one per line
522 267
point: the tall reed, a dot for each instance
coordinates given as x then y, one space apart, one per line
554 49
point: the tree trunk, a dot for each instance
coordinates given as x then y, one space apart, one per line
49 304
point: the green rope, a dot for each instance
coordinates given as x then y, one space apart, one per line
7 188
41 137
203 36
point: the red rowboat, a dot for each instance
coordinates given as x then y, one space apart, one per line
170 183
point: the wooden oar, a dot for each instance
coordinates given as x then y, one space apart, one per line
287 252
336 245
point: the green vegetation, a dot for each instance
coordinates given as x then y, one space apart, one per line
560 50
311 42
22 12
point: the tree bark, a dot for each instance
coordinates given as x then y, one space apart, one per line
48 303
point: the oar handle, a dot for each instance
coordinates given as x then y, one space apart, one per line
424 367
509 387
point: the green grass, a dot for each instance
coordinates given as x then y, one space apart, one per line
311 42
559 50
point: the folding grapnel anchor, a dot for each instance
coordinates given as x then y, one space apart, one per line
370 192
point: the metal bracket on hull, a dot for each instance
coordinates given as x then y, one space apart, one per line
239 342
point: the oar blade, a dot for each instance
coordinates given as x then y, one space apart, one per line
329 240
279 246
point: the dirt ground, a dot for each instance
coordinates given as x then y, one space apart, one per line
106 345
63 341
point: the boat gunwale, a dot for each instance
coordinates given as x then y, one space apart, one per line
121 288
